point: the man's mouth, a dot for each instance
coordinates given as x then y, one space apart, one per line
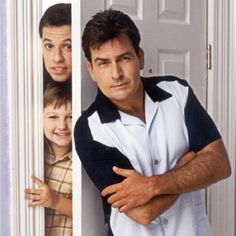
119 85
59 70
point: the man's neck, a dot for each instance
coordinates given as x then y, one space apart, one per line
134 107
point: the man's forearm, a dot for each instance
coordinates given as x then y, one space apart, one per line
146 213
192 172
209 166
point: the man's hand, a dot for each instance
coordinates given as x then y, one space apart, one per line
134 191
41 196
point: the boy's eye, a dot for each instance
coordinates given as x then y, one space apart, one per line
69 117
53 117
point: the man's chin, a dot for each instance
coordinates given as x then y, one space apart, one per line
60 78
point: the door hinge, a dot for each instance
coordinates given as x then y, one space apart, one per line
209 56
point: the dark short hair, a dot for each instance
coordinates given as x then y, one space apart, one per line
106 25
56 15
57 94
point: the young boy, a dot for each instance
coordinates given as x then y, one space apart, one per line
55 194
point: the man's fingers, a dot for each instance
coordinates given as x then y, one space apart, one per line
121 206
109 190
123 209
115 198
113 188
118 201
122 172
116 187
118 204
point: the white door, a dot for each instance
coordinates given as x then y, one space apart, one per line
173 34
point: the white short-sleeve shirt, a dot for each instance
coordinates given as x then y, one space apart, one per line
175 123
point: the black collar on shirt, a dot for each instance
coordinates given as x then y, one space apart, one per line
109 113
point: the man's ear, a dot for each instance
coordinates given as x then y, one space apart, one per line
90 69
141 58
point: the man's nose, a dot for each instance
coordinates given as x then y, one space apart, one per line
58 56
117 71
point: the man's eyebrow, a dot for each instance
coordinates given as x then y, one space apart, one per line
64 40
119 56
46 39
100 59
67 39
125 54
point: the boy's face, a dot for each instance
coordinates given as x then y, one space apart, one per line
56 48
57 123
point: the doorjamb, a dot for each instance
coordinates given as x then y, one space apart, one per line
76 110
24 76
221 106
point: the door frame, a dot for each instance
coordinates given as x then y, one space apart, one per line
221 106
25 90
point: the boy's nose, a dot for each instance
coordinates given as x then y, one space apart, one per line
62 124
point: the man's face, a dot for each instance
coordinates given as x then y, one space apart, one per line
57 123
115 67
56 47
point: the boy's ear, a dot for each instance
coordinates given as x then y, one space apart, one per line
90 69
141 58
